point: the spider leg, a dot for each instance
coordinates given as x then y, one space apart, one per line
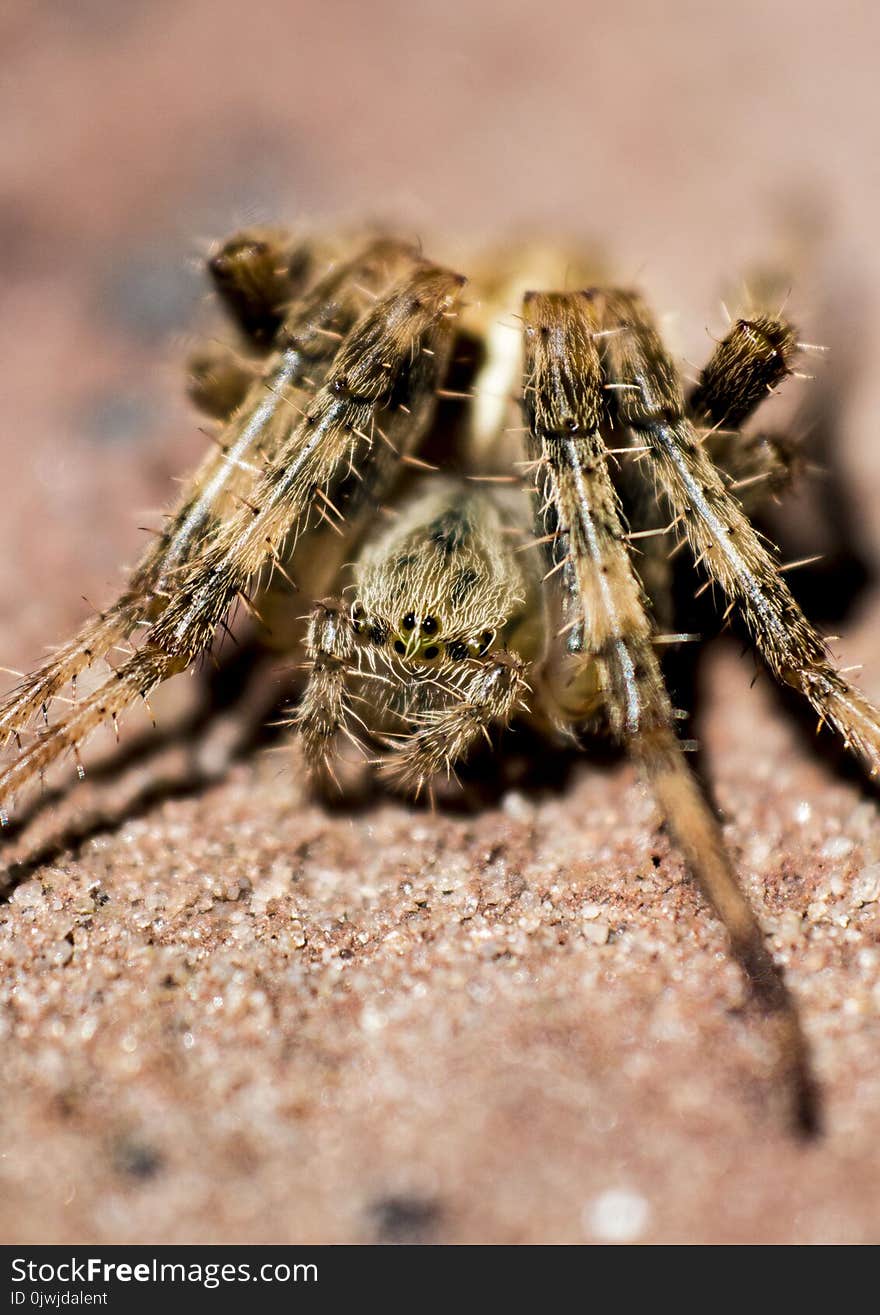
381 386
486 693
607 626
647 400
748 365
323 710
218 380
759 466
309 342
257 273
382 380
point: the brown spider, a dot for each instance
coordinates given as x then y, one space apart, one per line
452 625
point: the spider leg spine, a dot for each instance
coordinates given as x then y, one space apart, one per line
751 360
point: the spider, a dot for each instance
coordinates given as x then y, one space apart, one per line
465 564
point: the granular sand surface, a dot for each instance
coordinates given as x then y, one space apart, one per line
228 1013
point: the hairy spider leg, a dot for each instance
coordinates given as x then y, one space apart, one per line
564 402
749 363
309 341
257 273
646 398
382 382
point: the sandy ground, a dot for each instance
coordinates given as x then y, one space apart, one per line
230 1015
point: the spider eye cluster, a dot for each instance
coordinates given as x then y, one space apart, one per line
419 638
416 637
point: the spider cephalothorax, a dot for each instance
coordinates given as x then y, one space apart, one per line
466 563
442 581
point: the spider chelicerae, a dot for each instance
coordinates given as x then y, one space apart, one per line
480 493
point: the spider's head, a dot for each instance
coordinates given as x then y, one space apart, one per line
442 583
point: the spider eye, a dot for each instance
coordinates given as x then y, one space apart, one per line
457 650
431 652
409 621
485 640
429 626
399 646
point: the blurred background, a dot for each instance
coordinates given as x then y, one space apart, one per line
691 138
